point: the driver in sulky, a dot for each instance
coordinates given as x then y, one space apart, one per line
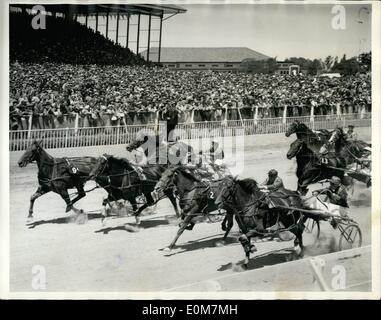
273 182
336 192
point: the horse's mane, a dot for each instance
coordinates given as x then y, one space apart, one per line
302 125
123 162
248 185
187 172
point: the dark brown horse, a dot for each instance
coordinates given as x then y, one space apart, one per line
311 168
349 150
57 174
123 180
313 139
196 198
253 214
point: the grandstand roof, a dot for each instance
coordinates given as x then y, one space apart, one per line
112 9
208 54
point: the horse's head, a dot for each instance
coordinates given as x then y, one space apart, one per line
295 148
226 192
99 167
336 135
167 181
136 143
30 154
293 128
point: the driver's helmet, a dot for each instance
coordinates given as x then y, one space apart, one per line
273 173
335 181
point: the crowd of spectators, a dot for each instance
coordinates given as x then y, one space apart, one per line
68 75
105 95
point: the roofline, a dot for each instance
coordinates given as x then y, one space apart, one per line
111 9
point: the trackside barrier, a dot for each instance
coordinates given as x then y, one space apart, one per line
97 136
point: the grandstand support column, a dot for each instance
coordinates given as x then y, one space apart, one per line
138 34
284 114
117 29
96 22
107 25
149 36
161 26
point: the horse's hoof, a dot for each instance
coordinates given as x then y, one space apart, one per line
29 219
298 251
167 249
67 209
103 222
137 220
220 243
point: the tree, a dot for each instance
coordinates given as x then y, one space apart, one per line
314 67
328 63
365 60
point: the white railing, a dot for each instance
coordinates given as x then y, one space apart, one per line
98 136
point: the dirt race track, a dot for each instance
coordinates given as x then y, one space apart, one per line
86 256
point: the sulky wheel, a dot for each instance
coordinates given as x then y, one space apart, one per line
350 237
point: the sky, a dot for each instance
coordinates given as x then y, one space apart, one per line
275 30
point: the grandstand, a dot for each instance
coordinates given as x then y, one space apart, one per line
64 41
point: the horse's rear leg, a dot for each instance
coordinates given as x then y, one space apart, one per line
39 192
69 205
81 194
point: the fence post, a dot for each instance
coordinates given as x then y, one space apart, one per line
30 125
312 114
284 114
66 136
118 133
76 121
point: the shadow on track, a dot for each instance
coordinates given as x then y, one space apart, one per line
260 261
214 241
65 220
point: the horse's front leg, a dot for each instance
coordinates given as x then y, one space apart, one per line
172 198
227 227
183 226
247 247
39 192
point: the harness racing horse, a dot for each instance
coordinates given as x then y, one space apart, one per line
253 214
311 168
122 180
313 139
350 151
197 197
57 175
157 151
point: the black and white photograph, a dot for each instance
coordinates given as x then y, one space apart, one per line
191 149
